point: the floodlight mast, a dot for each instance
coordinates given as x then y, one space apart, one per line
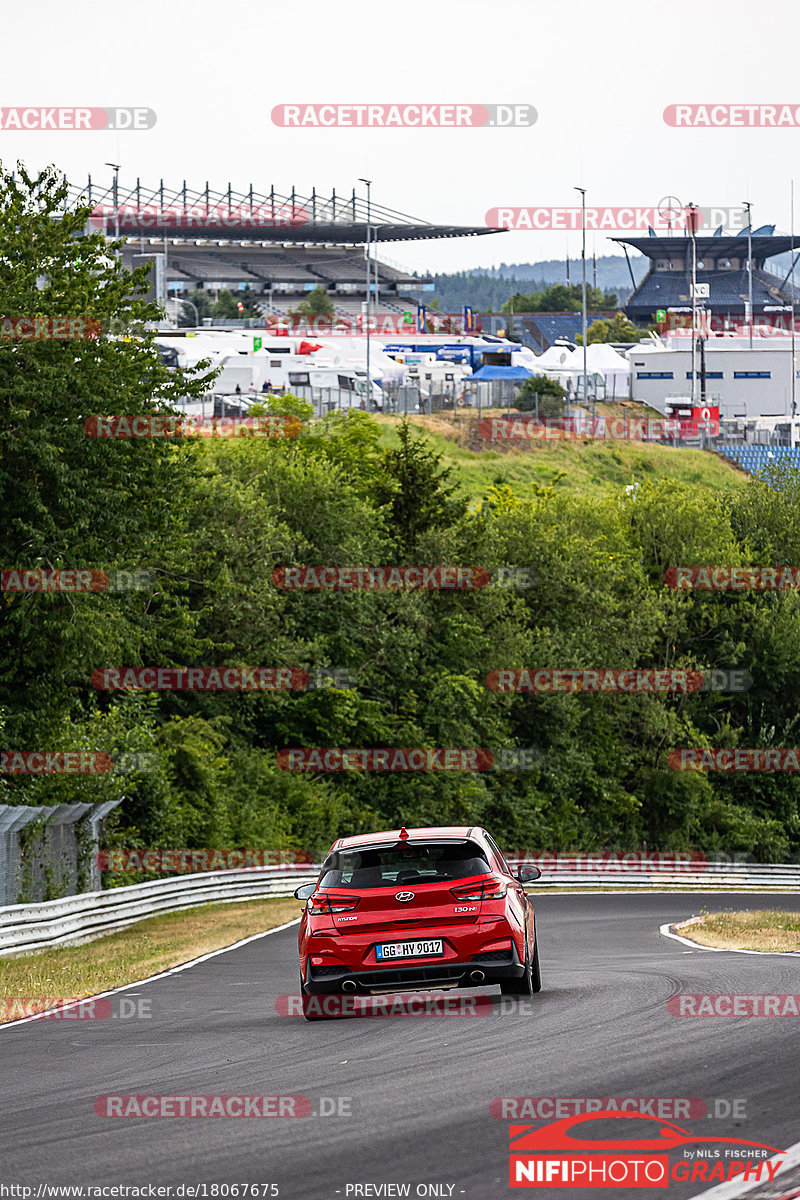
368 183
583 306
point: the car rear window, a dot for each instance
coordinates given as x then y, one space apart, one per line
405 862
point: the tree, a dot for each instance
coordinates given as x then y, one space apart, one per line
69 499
316 304
617 329
550 392
226 308
560 298
250 302
201 301
416 489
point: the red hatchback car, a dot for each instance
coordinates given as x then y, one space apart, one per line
417 909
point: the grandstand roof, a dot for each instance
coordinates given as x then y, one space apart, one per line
241 216
763 246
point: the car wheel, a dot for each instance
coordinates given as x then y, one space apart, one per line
312 1006
536 974
522 986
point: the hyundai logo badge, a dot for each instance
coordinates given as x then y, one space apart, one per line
404 896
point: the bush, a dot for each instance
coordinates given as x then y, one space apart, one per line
550 392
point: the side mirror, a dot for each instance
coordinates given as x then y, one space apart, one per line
528 874
305 891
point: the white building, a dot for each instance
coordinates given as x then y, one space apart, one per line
752 385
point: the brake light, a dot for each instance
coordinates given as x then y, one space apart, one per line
320 905
481 889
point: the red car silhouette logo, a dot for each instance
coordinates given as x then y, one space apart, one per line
556 1136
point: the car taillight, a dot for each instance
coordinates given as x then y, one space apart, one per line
318 906
486 889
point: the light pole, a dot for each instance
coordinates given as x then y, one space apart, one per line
116 167
583 285
749 267
368 182
693 232
194 306
794 357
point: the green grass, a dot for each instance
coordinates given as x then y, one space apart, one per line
773 930
592 467
146 948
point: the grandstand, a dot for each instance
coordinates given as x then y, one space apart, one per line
755 457
280 245
722 262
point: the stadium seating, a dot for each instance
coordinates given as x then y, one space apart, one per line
754 458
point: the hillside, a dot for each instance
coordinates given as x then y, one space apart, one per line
591 468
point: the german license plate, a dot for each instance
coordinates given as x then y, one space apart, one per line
420 949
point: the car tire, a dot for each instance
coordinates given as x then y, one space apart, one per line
536 974
312 1011
524 986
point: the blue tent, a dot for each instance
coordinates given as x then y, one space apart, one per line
487 373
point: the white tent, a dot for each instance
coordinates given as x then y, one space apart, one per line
605 360
555 358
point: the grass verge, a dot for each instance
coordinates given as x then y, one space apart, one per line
762 929
146 948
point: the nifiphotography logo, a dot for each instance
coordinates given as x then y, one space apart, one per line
569 1154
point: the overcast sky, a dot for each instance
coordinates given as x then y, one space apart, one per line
599 75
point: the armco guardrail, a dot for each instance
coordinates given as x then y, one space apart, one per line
694 875
30 927
27 927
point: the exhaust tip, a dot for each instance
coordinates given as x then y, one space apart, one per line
476 976
349 985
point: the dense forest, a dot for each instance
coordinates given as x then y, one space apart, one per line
208 520
491 288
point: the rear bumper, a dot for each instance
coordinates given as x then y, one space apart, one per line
328 980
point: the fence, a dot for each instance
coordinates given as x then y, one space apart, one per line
49 851
30 927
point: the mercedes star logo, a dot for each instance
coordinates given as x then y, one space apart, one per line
404 896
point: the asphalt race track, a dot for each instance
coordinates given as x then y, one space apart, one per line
420 1088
